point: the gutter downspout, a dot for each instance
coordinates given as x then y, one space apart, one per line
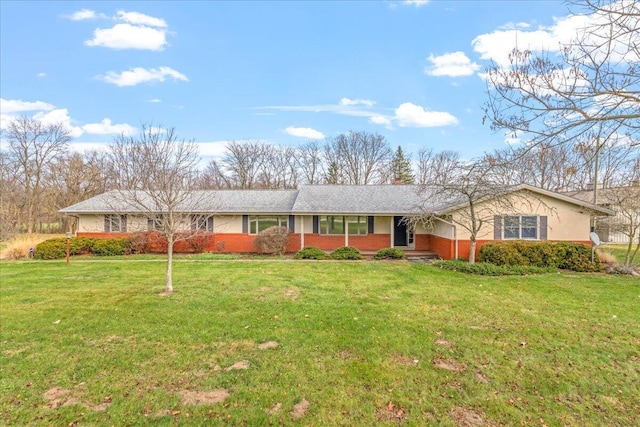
455 235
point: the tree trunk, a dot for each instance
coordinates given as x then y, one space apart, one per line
169 285
472 251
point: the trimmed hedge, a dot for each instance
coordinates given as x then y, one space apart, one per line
487 269
57 248
389 253
564 255
110 247
346 253
311 252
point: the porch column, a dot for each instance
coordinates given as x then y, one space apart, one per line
392 232
346 230
301 231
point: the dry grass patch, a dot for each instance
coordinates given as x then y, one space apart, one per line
243 364
300 409
449 365
191 397
391 413
267 345
467 417
18 246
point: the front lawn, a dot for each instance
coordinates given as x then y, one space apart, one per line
314 343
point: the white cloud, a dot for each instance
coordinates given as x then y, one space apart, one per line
411 115
106 128
41 75
416 3
353 102
212 149
60 115
406 115
138 18
81 15
304 132
382 120
10 106
139 75
154 100
127 36
497 45
452 64
82 147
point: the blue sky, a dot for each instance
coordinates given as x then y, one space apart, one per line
281 72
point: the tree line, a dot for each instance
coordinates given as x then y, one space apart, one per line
40 174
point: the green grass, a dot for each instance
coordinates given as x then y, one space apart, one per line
361 341
619 250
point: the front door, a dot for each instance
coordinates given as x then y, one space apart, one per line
399 231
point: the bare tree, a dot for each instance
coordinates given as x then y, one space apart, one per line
591 86
450 181
214 178
243 162
156 175
32 148
362 157
310 162
279 168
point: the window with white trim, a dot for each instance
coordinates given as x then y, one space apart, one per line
202 222
115 223
520 227
335 224
155 222
257 223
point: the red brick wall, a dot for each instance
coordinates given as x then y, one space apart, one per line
370 242
445 248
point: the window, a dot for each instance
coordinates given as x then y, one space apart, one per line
115 223
332 224
520 227
202 222
257 223
155 222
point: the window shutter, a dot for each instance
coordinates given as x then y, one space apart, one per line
150 224
123 223
245 223
194 222
543 228
497 227
315 224
292 223
107 223
370 224
210 224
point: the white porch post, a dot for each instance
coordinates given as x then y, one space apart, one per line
346 230
301 231
392 232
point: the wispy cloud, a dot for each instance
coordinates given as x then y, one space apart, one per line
10 106
350 102
84 15
140 75
301 132
137 18
154 100
412 115
454 64
41 75
416 3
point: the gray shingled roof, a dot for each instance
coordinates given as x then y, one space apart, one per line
357 199
309 199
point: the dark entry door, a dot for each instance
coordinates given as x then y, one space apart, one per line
399 231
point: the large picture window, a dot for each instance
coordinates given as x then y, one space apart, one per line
257 223
334 224
520 227
115 223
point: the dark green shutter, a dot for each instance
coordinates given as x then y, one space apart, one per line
292 223
245 223
107 223
210 224
370 225
543 228
316 226
497 227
